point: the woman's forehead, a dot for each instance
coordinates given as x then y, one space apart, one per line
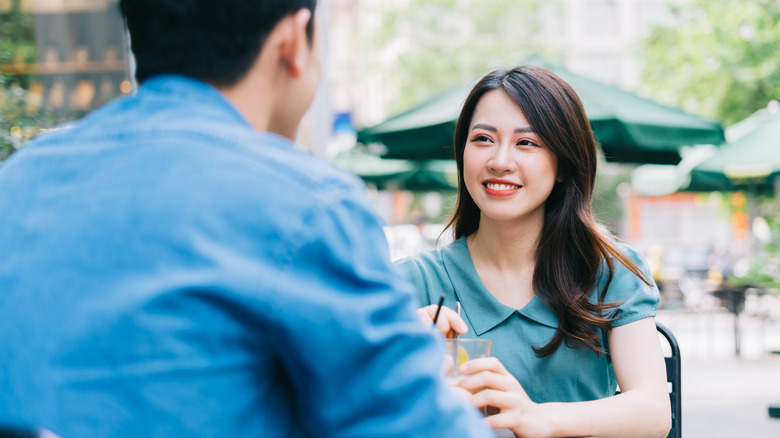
496 106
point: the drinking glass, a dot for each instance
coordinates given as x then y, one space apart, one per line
462 350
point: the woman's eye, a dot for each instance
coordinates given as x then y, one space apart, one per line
480 138
526 143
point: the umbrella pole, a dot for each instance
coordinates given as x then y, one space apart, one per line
777 193
752 214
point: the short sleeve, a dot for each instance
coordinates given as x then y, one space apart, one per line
412 271
638 299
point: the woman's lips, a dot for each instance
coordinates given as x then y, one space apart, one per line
501 188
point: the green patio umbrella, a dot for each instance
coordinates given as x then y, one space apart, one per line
373 169
433 175
629 128
749 160
388 173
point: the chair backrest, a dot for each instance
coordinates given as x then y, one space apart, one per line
20 431
673 376
15 432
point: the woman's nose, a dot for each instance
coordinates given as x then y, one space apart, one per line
501 160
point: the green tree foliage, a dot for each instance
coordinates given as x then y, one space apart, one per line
764 270
9 108
19 119
17 46
17 36
423 47
718 58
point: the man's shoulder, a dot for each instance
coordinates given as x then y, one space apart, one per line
299 165
264 167
213 145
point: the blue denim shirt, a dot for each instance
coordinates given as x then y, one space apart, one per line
166 270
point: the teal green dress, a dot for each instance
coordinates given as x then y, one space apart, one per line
569 374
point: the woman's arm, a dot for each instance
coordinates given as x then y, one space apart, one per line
642 408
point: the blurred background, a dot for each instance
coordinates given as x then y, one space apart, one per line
682 95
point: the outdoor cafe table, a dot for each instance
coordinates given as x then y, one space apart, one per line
733 299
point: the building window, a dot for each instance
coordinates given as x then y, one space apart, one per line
58 61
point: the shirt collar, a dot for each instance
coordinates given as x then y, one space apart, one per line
206 101
480 308
196 92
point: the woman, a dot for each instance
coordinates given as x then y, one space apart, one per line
570 311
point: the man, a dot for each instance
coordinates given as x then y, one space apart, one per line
174 266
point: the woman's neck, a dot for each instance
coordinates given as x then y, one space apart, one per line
506 246
504 256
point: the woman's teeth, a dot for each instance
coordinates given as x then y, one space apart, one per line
494 186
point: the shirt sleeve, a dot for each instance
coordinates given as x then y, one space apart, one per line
639 300
411 271
361 363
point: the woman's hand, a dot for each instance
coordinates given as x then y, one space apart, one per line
494 387
449 322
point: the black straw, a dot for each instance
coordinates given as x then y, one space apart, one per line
438 310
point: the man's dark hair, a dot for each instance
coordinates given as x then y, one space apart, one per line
212 40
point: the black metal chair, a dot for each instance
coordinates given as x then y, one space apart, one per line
673 376
14 432
19 431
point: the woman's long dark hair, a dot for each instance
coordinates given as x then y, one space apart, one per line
571 248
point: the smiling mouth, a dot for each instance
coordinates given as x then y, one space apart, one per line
500 187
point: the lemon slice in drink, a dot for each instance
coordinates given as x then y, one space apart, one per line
463 357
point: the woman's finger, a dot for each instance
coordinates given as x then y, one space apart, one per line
481 364
502 400
425 318
524 419
490 380
462 393
447 365
449 320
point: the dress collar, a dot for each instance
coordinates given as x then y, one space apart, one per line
480 308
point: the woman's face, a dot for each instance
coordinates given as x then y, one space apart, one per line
507 170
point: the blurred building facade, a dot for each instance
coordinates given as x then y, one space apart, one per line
597 38
68 56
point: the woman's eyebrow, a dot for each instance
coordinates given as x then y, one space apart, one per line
485 127
494 129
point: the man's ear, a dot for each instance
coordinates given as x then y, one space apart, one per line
295 43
